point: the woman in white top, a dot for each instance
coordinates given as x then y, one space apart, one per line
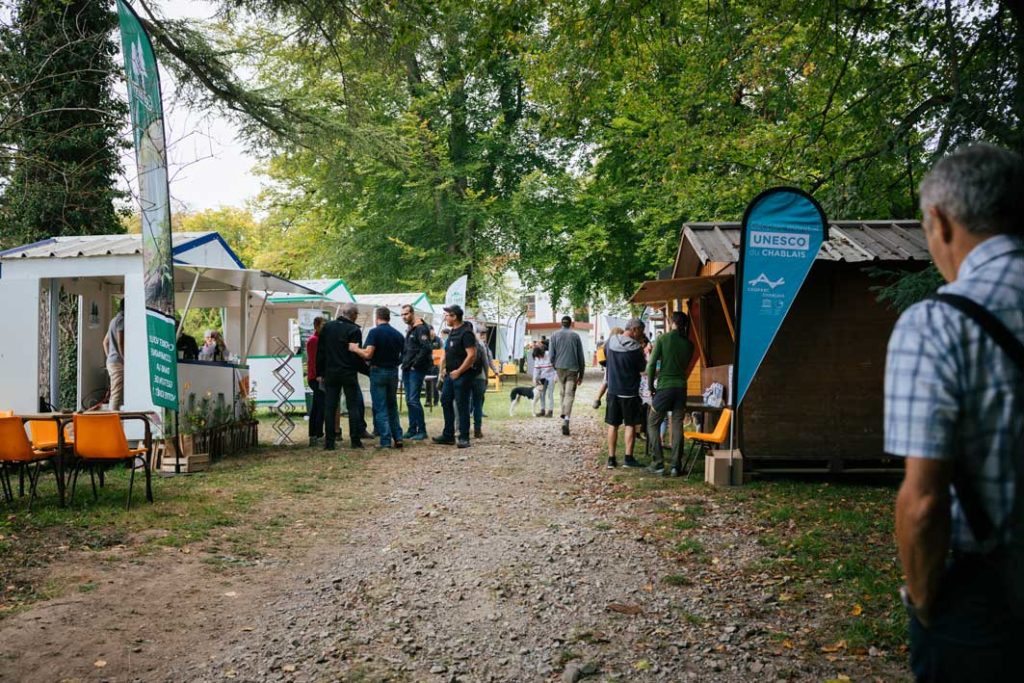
544 377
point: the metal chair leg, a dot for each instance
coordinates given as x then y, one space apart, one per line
701 448
131 483
149 479
75 469
92 478
33 481
5 483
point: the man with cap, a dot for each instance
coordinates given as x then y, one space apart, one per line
459 357
566 349
625 357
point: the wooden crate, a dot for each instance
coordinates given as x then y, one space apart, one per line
197 462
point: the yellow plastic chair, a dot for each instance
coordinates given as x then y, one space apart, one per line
100 440
6 413
705 440
17 452
44 434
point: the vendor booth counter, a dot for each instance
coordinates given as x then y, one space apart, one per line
223 383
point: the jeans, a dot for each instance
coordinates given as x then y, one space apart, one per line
479 393
412 380
455 394
665 401
333 387
567 380
316 411
972 635
545 394
384 394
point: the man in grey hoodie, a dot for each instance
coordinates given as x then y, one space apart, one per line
625 358
566 352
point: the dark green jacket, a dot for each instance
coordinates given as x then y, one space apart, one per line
674 351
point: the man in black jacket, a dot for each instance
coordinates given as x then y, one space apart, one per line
417 360
339 370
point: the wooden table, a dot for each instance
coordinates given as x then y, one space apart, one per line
64 418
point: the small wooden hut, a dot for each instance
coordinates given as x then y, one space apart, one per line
816 401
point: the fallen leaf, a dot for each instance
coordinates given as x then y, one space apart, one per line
288 668
247 628
625 609
230 594
649 588
834 647
642 665
100 663
788 644
856 611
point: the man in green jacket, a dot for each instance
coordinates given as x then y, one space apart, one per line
669 362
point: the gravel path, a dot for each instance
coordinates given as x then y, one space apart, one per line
513 561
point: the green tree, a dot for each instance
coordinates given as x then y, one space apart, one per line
60 120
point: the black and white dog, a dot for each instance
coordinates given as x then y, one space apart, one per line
520 393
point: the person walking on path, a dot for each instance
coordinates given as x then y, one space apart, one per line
566 349
417 359
625 357
383 351
316 407
669 362
337 371
459 357
113 346
544 378
954 401
485 363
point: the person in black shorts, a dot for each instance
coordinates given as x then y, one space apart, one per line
625 363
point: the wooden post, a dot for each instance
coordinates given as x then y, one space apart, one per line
725 310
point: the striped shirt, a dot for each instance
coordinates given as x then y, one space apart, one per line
952 394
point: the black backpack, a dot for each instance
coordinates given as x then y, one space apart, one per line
1007 559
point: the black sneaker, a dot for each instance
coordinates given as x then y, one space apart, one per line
565 428
463 443
478 434
612 463
314 441
398 444
329 446
358 444
676 472
444 440
656 469
632 462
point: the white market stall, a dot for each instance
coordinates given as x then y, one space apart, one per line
96 269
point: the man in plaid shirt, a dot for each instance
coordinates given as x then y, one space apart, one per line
954 398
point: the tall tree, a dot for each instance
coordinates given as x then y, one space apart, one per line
59 127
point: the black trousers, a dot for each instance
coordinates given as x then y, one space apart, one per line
316 411
353 398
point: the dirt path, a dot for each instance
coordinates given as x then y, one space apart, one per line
509 561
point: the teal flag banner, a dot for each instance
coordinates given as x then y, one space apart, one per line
782 230
154 198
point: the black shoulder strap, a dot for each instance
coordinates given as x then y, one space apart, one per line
977 517
999 333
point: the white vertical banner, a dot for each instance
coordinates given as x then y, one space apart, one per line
456 293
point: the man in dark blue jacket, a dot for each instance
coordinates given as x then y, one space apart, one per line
417 360
625 358
383 351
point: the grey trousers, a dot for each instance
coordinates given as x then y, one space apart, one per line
567 382
673 400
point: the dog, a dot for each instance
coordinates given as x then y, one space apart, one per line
520 393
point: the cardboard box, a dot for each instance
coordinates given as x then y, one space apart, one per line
719 472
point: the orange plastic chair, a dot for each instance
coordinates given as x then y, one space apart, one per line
44 434
17 452
705 440
100 441
6 413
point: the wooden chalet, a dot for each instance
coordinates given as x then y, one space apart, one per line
816 400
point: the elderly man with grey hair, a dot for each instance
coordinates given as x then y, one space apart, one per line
338 369
954 409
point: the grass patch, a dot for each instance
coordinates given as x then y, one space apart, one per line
689 546
241 508
836 539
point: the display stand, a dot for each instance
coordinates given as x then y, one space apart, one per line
283 425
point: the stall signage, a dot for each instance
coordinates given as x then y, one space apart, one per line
783 228
147 117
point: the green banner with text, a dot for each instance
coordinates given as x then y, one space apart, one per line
154 200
